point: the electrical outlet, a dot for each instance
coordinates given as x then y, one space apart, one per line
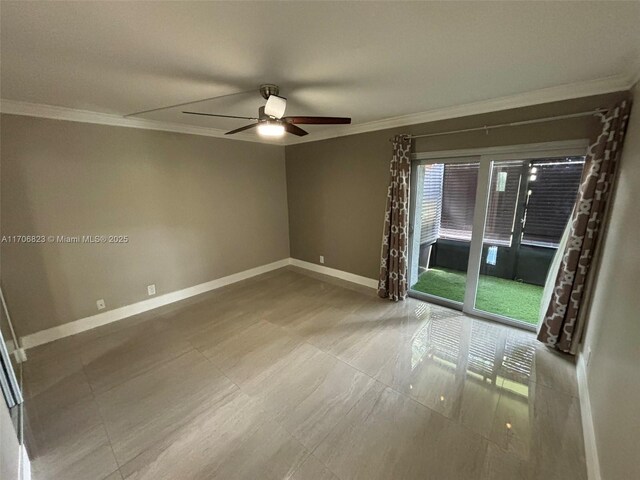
322 259
151 289
100 304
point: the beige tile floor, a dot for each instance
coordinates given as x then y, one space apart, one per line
287 376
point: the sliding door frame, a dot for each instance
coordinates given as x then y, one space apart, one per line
486 158
414 226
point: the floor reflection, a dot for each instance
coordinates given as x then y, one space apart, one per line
475 350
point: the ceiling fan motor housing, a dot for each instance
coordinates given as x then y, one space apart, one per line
268 89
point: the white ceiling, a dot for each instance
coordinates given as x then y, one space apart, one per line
370 61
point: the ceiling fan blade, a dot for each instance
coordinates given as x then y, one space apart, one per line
242 129
318 120
223 116
291 128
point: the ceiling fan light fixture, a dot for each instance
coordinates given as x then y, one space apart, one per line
271 129
275 106
271 122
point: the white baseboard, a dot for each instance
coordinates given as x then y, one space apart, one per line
94 321
87 323
25 464
590 446
349 277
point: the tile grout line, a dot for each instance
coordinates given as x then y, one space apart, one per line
332 355
267 414
556 390
177 428
94 395
336 426
139 374
103 423
408 397
308 450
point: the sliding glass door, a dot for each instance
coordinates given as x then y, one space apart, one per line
442 232
529 204
486 227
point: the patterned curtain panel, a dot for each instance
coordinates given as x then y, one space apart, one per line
395 238
560 327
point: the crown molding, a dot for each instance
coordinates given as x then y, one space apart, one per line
600 86
15 107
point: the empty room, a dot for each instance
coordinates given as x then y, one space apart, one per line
319 240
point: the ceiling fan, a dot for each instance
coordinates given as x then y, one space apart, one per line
271 121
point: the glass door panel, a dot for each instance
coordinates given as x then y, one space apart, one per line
444 199
529 205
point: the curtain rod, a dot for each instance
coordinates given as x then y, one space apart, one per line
486 128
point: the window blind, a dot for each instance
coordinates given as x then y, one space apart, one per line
449 192
503 202
458 200
431 208
551 197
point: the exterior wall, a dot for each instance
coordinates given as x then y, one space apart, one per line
531 265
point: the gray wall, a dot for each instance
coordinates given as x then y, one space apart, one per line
195 209
337 187
613 330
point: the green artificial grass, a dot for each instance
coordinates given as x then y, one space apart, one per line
512 299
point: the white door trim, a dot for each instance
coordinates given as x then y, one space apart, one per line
479 220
